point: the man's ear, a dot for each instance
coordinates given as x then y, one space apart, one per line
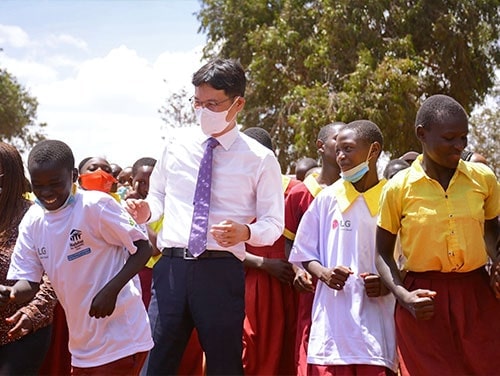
239 103
420 132
75 175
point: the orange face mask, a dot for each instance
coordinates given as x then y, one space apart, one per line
97 180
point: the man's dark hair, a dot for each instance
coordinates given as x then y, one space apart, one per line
53 152
439 109
222 74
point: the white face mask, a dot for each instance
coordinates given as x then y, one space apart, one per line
212 122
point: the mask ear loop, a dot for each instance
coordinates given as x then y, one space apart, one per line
368 157
229 109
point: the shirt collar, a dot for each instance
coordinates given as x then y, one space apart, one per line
417 171
346 194
312 185
227 139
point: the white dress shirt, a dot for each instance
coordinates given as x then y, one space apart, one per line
246 186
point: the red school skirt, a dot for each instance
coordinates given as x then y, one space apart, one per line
463 336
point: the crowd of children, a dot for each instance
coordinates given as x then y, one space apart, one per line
371 276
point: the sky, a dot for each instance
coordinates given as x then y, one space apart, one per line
101 70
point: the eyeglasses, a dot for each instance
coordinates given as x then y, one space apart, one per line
210 104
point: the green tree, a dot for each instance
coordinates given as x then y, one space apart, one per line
484 125
18 109
311 62
177 111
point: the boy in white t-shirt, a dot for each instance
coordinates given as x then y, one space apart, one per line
352 329
80 239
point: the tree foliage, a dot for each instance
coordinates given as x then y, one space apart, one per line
177 111
311 62
484 125
18 110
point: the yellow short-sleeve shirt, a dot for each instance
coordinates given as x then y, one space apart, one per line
441 230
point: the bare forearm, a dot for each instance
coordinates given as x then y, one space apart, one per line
390 274
133 265
253 261
24 291
491 237
315 268
385 263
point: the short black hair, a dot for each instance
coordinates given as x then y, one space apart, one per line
222 74
51 152
328 129
394 166
366 130
82 163
439 109
261 135
146 161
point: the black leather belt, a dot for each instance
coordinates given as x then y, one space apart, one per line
186 255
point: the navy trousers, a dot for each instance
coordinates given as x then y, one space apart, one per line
208 294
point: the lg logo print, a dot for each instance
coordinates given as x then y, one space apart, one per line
343 224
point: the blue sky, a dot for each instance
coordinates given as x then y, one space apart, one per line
101 69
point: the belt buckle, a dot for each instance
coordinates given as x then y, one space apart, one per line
188 256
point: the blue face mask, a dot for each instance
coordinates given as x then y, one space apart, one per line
356 173
69 201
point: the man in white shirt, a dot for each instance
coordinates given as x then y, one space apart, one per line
207 292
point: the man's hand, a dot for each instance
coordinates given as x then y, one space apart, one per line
229 233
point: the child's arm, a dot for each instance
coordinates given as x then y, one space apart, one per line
491 239
419 302
278 268
36 314
333 277
22 292
302 280
104 302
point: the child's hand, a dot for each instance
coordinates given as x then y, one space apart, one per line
103 303
336 277
420 303
495 277
373 285
22 325
303 281
138 209
6 295
280 269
